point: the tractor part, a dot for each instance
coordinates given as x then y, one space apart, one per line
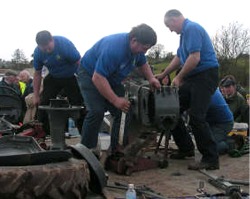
159 109
98 179
155 110
64 180
28 171
23 150
134 159
59 112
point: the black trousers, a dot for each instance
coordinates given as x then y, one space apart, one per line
54 86
195 95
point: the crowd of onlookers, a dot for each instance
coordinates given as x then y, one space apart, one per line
19 85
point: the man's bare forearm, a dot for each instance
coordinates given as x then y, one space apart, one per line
191 62
104 87
146 71
37 82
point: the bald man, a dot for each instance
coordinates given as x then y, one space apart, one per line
197 82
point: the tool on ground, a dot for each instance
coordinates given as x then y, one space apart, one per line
229 189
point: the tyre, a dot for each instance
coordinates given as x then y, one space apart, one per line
63 180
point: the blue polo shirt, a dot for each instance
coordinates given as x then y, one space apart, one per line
218 111
194 38
61 63
112 58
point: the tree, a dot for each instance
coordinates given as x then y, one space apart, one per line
155 51
232 45
19 57
230 42
19 60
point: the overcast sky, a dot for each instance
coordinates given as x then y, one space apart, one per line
85 22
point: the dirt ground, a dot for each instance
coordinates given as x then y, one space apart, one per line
176 180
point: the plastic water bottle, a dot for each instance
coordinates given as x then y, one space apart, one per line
130 193
72 129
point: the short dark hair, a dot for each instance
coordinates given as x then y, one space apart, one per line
43 37
144 34
173 13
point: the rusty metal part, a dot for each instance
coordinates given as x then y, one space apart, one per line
135 158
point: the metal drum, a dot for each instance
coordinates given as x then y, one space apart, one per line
159 108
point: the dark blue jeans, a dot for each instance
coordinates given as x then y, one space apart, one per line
195 95
220 131
96 106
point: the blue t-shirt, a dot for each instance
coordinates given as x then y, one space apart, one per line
61 63
112 58
194 38
218 111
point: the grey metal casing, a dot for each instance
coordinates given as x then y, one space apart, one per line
159 108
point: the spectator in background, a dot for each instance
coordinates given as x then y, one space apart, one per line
26 88
237 103
61 58
10 81
239 88
11 97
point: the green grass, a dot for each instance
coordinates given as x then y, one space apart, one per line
161 66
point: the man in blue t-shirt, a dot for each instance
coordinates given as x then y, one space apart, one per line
197 81
61 58
100 76
220 120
